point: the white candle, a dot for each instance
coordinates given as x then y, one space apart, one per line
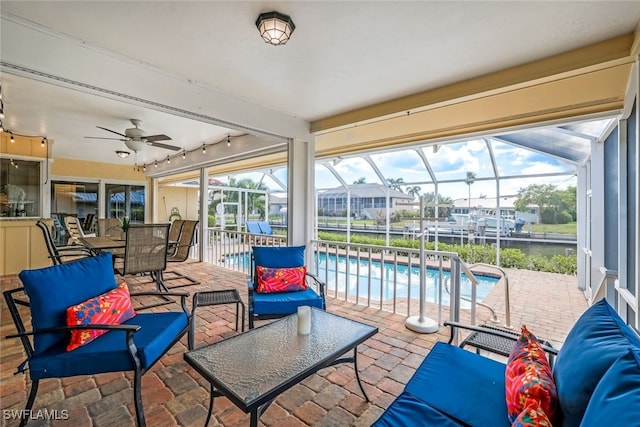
304 320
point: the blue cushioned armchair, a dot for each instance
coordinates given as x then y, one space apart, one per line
134 345
274 305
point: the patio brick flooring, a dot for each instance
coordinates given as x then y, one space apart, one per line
174 394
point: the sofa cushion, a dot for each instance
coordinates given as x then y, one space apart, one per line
617 395
285 302
278 257
52 290
460 383
532 416
409 411
281 279
528 376
598 339
108 353
109 308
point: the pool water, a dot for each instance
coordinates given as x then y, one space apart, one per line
377 279
407 280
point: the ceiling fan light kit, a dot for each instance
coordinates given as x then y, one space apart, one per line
136 138
122 154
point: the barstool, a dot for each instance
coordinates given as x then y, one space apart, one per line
201 299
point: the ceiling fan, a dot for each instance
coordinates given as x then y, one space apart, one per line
135 139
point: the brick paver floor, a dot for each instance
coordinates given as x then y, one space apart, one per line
174 394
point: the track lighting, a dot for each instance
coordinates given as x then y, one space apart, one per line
168 159
228 141
155 164
43 142
184 154
12 139
204 149
144 168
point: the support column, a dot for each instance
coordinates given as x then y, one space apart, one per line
301 190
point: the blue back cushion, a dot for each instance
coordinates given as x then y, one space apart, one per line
278 257
616 399
52 290
595 342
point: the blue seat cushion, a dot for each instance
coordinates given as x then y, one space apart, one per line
253 227
617 396
108 353
285 302
595 342
52 290
278 257
462 384
265 228
409 411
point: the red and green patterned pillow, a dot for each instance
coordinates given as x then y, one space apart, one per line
110 308
528 377
281 279
532 416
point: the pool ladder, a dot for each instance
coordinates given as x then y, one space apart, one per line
494 316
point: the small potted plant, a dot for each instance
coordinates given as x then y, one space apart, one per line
125 227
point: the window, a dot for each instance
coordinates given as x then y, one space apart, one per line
20 189
125 200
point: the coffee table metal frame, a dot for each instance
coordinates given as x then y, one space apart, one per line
253 368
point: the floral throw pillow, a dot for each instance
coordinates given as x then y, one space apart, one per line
281 279
110 308
532 416
528 377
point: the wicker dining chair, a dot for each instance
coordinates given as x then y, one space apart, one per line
109 227
145 252
181 254
175 230
61 254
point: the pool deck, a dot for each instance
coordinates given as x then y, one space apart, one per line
175 395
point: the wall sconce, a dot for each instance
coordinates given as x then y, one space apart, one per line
123 154
275 28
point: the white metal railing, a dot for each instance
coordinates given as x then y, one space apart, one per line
382 277
231 249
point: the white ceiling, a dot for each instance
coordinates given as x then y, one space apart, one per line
198 64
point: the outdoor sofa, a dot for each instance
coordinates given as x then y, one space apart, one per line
596 375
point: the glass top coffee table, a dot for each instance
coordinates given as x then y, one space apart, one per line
253 368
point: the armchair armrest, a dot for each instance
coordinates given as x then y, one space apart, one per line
484 334
126 328
318 282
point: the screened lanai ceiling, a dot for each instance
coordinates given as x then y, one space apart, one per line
516 159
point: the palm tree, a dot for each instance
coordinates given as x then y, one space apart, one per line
414 191
395 184
471 177
361 180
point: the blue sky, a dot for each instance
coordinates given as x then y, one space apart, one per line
450 162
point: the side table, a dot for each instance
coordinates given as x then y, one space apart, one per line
201 299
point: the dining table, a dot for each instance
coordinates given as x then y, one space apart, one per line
103 243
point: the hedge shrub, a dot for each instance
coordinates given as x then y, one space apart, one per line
509 257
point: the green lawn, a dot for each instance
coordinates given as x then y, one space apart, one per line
570 228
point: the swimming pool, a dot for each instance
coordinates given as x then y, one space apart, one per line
377 279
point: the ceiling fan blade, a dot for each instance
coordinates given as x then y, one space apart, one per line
101 137
167 146
112 131
154 138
